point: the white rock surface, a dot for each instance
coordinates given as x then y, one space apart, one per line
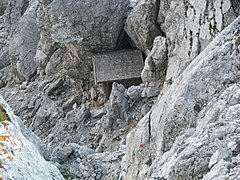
141 24
195 117
190 26
134 92
119 101
19 157
156 61
220 154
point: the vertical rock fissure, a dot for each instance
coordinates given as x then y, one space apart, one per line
149 127
221 8
158 25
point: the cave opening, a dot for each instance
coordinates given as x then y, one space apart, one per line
124 41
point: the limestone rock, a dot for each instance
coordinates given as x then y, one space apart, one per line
100 22
98 113
151 90
119 101
137 151
45 118
220 171
156 62
73 128
180 129
3 6
146 108
194 115
61 154
54 62
141 24
20 159
23 44
134 92
51 87
133 3
84 163
5 75
70 103
219 155
190 26
4 59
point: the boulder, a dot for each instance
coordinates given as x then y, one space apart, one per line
220 171
141 24
156 62
134 92
119 101
23 44
151 90
94 24
146 108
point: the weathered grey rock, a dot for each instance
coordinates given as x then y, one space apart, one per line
91 165
71 103
54 62
234 147
146 108
5 76
190 26
134 92
23 44
137 151
156 62
179 131
4 59
141 24
151 90
76 127
220 154
45 118
119 101
50 88
41 60
61 154
100 27
21 159
3 6
133 3
98 113
191 120
220 171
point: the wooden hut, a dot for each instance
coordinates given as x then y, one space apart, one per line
123 66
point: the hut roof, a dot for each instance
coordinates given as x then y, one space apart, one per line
117 65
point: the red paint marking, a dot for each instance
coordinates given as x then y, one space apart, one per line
141 146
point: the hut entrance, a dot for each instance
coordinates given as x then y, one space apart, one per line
107 86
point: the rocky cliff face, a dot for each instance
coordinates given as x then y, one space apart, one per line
196 118
182 122
19 157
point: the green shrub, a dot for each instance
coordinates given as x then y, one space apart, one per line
3 115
